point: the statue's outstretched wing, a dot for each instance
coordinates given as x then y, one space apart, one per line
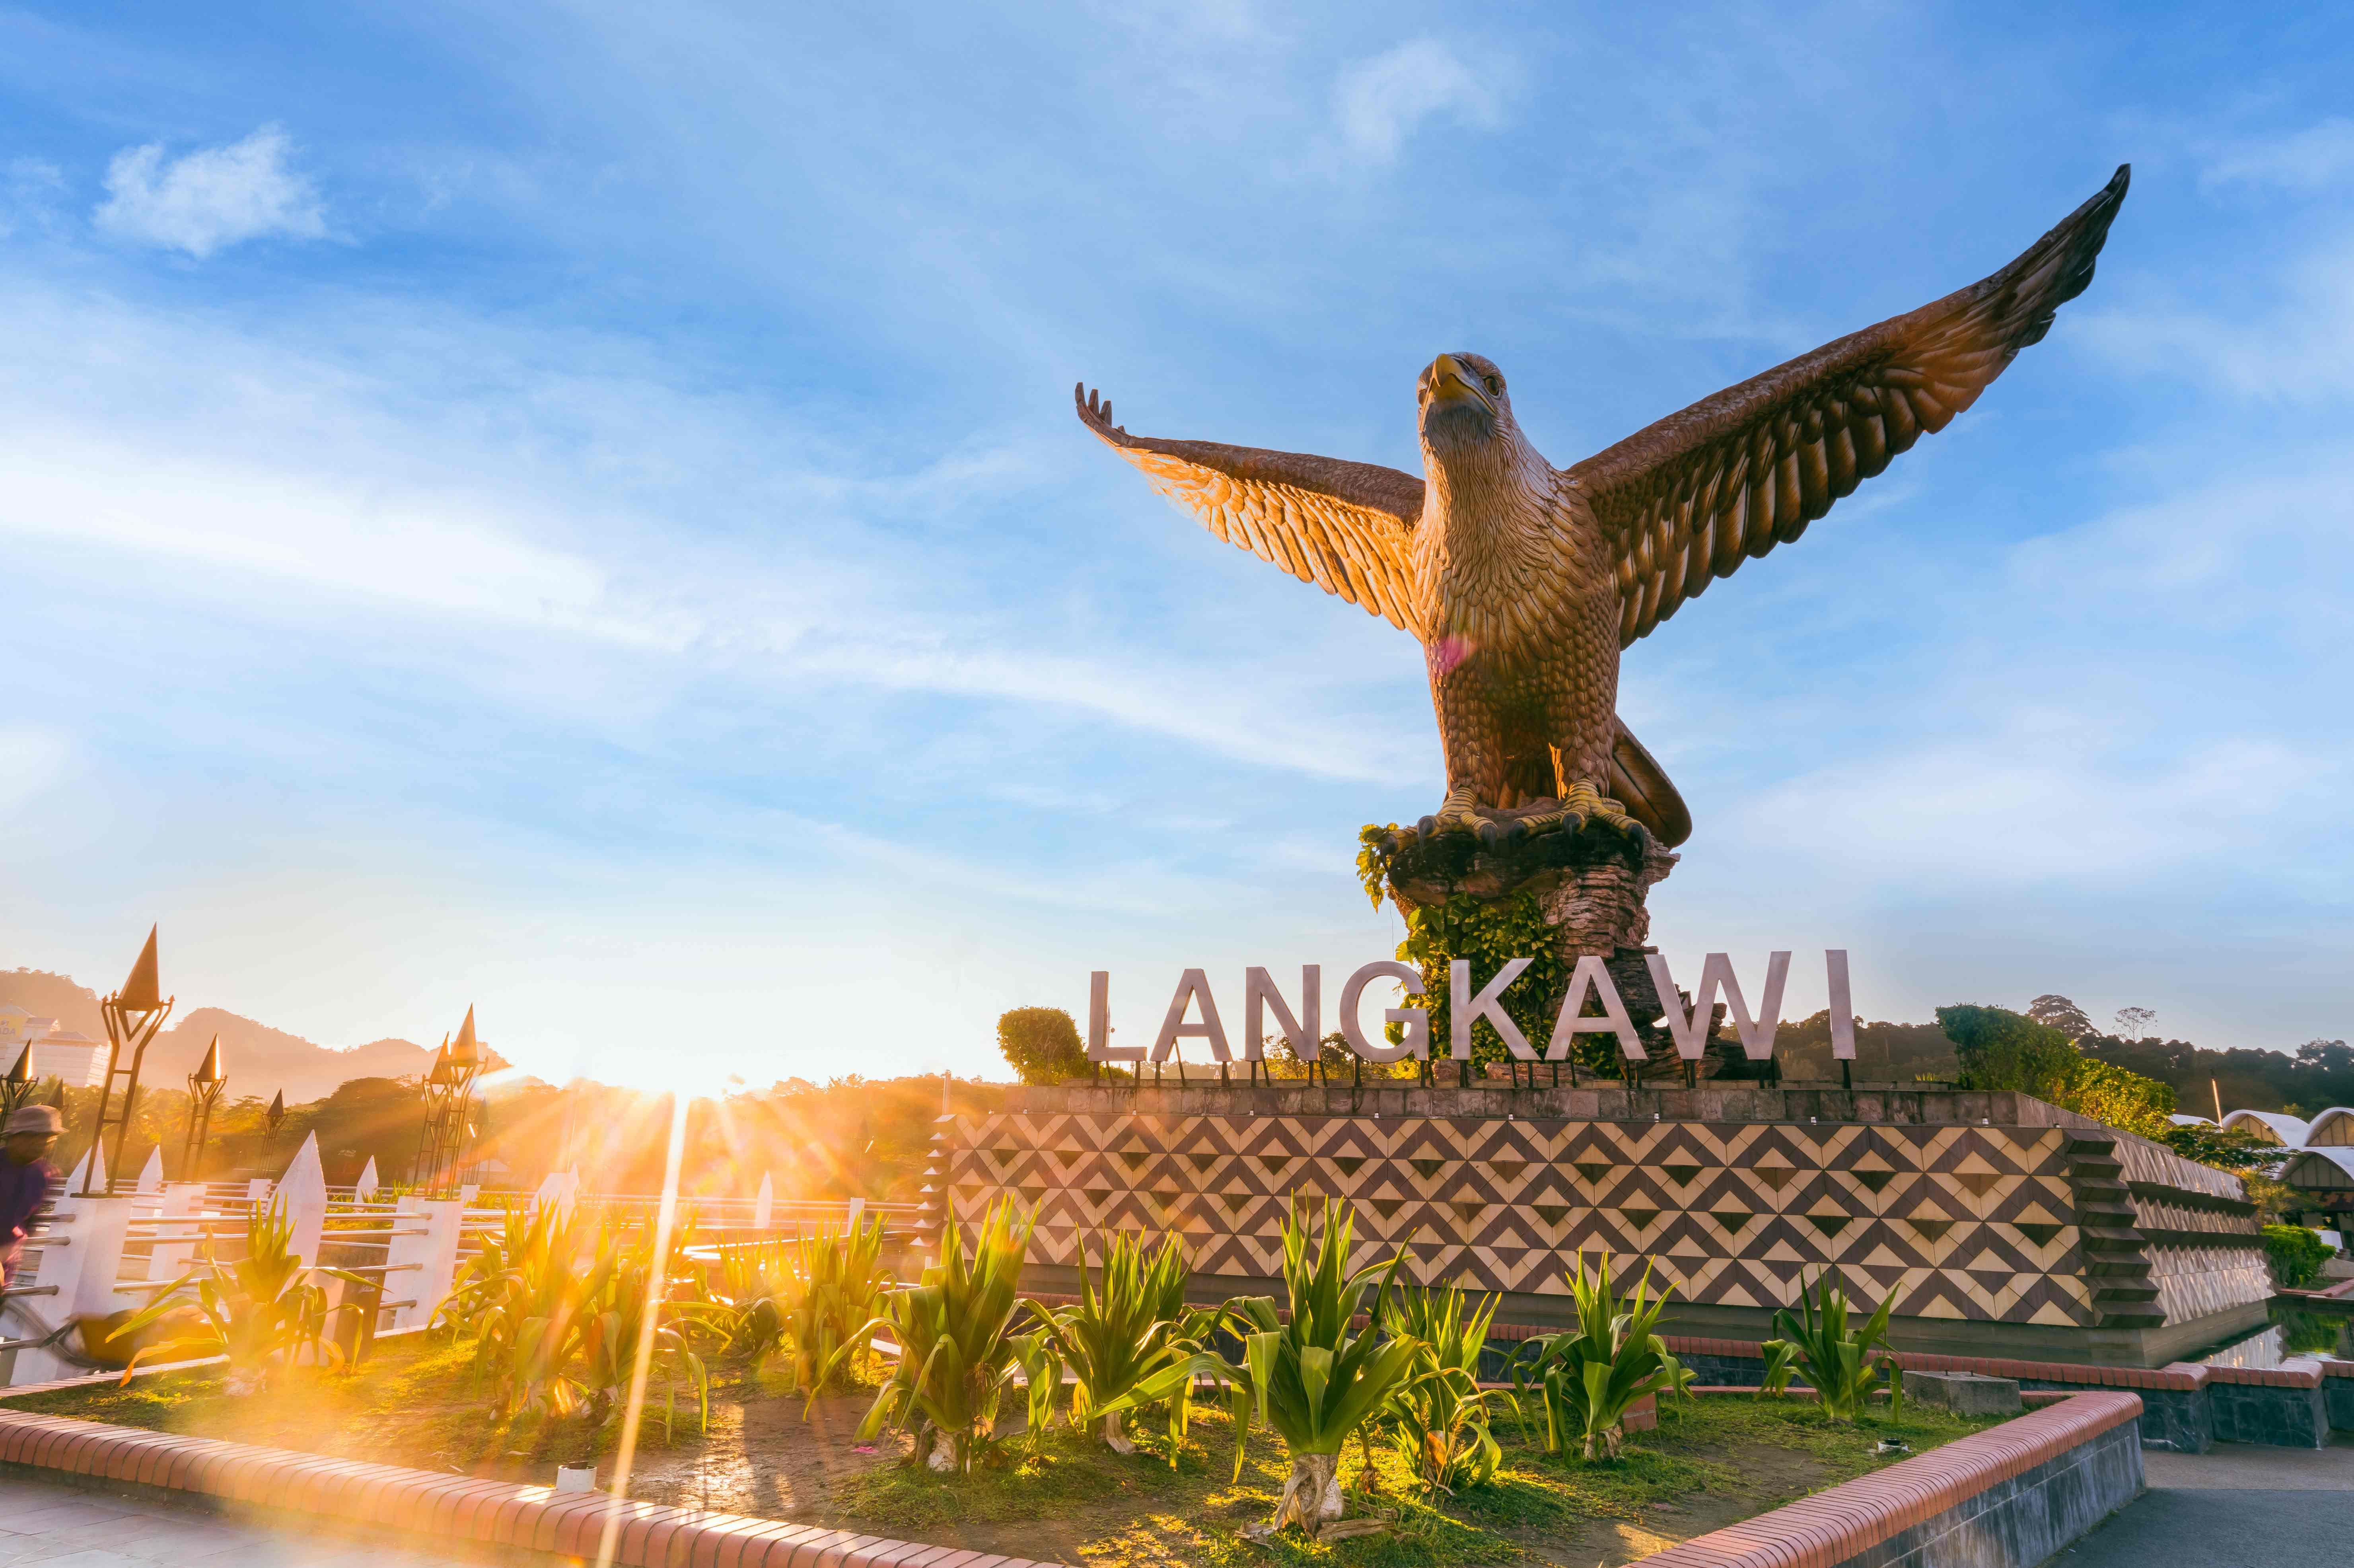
1342 526
1733 475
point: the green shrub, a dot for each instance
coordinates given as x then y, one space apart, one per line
1588 1376
2295 1255
1839 1364
1440 1415
524 1299
1120 1340
1781 1360
264 1312
955 1352
809 1296
1311 1377
1042 1044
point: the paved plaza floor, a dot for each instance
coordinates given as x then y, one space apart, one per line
49 1523
2235 1506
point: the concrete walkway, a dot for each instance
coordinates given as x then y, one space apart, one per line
49 1523
2235 1506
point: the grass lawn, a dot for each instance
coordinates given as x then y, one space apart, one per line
1708 1465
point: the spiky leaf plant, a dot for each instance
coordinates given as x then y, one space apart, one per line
1311 1375
264 1312
1126 1336
956 1345
1439 1414
1588 1376
1844 1366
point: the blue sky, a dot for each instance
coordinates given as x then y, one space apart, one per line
574 508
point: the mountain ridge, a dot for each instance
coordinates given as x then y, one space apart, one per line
260 1061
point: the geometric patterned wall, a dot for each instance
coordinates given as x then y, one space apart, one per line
2198 1234
2021 1224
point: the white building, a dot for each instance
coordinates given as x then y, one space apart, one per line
57 1052
70 1055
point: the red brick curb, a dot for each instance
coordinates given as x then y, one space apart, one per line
491 1513
1849 1519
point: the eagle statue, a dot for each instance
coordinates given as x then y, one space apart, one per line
1525 582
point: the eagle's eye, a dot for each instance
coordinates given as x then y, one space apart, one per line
1495 385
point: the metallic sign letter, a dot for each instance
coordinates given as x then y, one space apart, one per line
1691 1032
1299 1034
1468 1011
1099 1047
1843 1006
1590 974
1756 1035
1173 1027
1415 1019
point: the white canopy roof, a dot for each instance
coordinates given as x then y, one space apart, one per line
2334 1126
2321 1170
2284 1129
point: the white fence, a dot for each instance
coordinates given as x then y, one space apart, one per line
89 1257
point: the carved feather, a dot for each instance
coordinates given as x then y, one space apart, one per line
1749 468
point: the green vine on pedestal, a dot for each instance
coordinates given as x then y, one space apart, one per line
1488 934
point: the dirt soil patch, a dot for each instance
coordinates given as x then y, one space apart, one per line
1711 1463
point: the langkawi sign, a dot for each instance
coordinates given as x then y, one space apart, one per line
1590 982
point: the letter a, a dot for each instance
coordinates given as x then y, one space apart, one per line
1590 975
1173 1027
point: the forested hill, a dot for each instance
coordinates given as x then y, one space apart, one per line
2315 1076
260 1060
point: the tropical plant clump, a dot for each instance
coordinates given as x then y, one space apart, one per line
1128 1344
806 1299
1588 1377
1309 1374
555 1307
264 1312
1842 1366
1440 1418
957 1352
1781 1360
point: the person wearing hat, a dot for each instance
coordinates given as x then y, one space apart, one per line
25 1177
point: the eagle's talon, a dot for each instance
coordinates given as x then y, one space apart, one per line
1460 814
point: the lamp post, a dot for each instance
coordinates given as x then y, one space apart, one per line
133 1016
18 1085
204 1086
275 1117
448 1096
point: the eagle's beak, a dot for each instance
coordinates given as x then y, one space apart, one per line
1451 380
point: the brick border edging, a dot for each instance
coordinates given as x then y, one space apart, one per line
422 1502
1846 1521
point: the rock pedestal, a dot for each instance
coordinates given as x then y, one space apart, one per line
1589 881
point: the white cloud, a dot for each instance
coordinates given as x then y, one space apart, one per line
2319 156
286 480
1380 101
211 197
2287 336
